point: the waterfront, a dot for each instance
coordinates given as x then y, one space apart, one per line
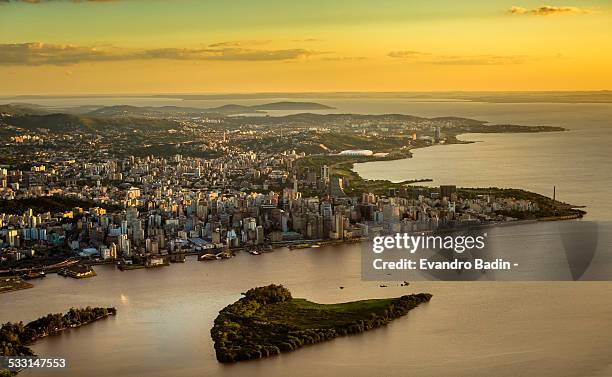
574 161
468 329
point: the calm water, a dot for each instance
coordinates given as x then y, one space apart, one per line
576 161
468 329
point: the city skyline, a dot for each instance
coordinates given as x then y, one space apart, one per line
103 47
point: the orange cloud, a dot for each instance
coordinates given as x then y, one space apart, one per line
548 10
428 58
54 1
38 53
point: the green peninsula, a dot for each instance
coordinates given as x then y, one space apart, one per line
16 337
268 321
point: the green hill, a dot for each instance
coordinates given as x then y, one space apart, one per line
61 123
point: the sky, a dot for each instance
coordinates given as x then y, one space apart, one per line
66 47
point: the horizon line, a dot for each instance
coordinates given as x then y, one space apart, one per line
338 92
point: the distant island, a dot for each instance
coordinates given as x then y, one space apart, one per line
15 337
159 111
268 321
285 105
593 96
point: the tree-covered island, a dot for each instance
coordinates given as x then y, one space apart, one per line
15 337
268 321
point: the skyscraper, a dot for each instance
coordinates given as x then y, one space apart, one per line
325 173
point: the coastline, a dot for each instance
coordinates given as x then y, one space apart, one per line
345 168
59 330
17 337
347 171
268 321
14 284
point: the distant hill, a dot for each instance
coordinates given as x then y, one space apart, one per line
151 111
291 106
231 109
156 112
22 108
145 111
73 123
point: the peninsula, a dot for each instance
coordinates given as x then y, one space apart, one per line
268 321
15 337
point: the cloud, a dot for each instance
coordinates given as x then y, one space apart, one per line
35 54
405 54
43 53
236 54
344 58
239 43
307 40
428 58
55 1
548 10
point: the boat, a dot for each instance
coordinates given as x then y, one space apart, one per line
155 262
300 246
131 266
207 257
177 258
79 271
33 275
254 252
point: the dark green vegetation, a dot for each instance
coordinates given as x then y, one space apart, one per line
61 123
318 143
15 337
46 204
547 207
21 109
268 321
341 141
354 184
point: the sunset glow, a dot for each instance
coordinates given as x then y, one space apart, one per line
133 46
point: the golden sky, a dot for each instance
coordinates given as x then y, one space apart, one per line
199 46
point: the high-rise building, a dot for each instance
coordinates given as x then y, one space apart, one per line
326 210
325 173
12 238
260 235
437 134
338 226
449 192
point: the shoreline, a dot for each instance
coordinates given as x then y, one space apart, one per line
350 165
317 243
65 328
347 166
268 321
15 284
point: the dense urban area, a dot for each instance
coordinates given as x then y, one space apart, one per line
143 187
